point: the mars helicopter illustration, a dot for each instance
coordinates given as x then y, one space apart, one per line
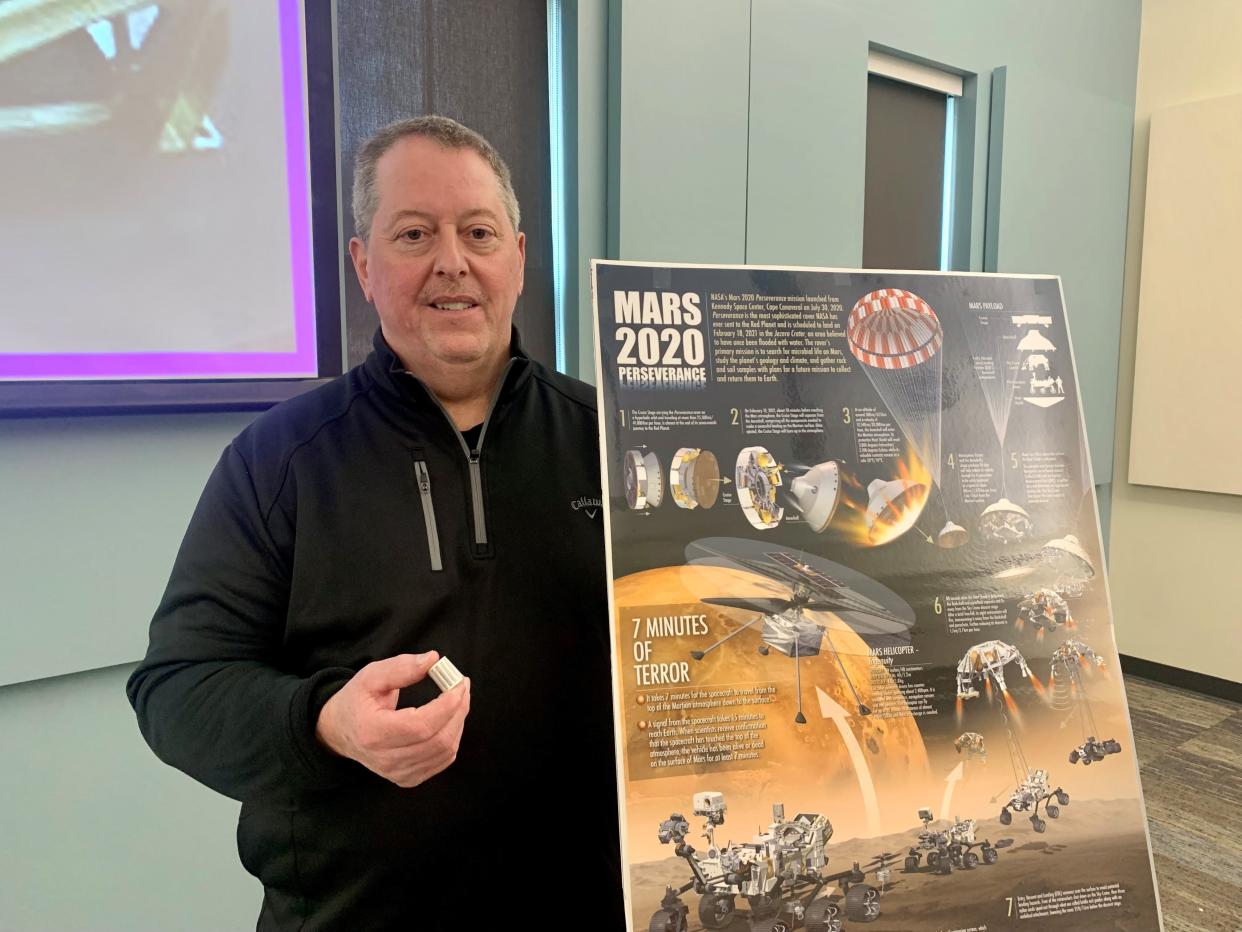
787 615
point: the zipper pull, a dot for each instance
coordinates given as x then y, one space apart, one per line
476 497
429 515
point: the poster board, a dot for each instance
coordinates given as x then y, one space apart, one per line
1190 231
864 662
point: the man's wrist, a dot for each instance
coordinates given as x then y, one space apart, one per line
314 695
327 731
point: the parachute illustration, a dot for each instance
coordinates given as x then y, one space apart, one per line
993 341
897 337
996 353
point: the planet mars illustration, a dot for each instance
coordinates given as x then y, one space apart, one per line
812 767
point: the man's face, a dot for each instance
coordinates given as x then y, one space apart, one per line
442 263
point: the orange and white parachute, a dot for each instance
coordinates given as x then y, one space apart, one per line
897 336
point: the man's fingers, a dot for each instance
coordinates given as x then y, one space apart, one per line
423 772
406 760
397 672
406 746
404 727
401 764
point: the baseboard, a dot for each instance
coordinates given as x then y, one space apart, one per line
1183 679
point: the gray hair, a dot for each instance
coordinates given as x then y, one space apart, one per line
448 133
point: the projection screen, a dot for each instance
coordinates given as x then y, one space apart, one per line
157 187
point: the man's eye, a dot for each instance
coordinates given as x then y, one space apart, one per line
412 236
480 233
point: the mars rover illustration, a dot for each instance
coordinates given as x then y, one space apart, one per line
780 874
972 745
1044 610
1091 750
984 664
951 848
1069 694
1027 797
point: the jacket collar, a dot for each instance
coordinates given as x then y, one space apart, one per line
390 374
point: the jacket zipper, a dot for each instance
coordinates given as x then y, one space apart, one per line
472 456
429 515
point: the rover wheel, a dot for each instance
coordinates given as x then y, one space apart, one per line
716 910
823 915
772 924
945 865
1074 757
933 859
862 903
764 906
970 860
1006 817
667 920
912 864
1063 798
1039 824
1054 811
990 855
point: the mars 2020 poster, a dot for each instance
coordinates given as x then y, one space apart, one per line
864 659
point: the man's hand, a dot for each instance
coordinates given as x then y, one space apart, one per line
407 746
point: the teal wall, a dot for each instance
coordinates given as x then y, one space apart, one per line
681 152
742 139
93 510
705 130
98 834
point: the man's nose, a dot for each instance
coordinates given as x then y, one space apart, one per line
450 257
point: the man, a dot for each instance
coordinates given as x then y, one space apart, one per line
426 504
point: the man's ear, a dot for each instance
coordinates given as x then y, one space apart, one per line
358 253
521 247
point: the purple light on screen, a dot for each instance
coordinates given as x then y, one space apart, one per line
303 361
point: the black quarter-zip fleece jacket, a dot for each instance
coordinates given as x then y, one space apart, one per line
355 523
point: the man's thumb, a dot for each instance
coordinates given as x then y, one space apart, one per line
396 672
